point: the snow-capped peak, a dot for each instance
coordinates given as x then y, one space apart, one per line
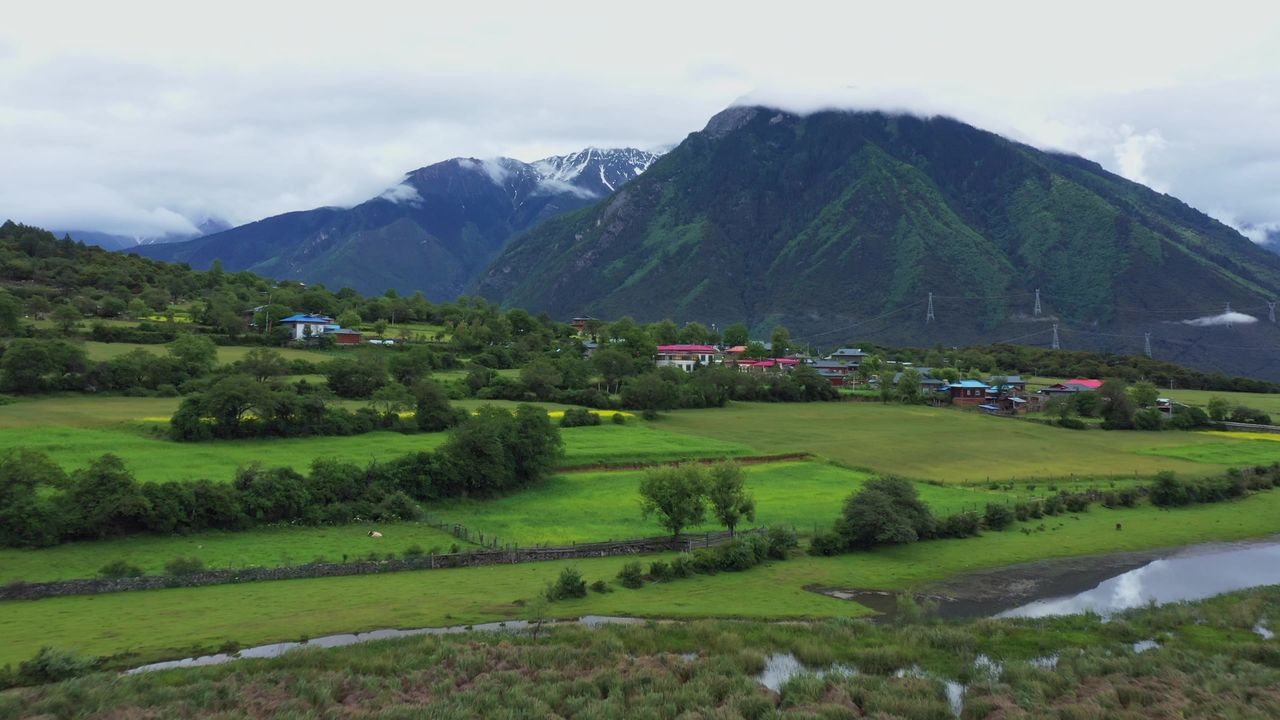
595 170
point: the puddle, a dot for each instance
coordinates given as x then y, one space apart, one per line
342 640
987 667
781 667
1262 631
1144 645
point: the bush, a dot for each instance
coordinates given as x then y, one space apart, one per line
959 525
1148 419
631 575
397 506
119 569
413 551
649 414
1071 423
781 541
659 571
997 516
825 543
601 586
682 566
1076 502
184 566
569 585
618 419
579 417
50 665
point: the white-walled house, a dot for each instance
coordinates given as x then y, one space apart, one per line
686 356
309 326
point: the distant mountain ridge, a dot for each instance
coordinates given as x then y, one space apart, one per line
830 221
434 231
114 241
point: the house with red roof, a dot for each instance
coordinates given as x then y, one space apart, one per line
1067 387
686 357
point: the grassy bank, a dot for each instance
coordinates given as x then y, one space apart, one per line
1208 664
167 623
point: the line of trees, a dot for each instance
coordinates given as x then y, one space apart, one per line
679 496
490 453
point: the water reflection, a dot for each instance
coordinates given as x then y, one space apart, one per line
1191 576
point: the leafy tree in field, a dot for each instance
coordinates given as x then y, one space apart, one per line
541 377
433 412
479 377
613 366
648 392
947 374
664 332
813 387
412 365
66 316
355 377
271 495
104 500
1144 394
780 341
380 327
1117 405
676 495
756 351
727 494
1219 407
535 444
736 334
477 455
886 511
30 366
695 333
262 364
195 355
391 398
27 516
1086 403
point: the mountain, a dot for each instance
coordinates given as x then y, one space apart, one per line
434 232
839 225
112 241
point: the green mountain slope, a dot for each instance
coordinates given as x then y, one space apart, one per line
830 220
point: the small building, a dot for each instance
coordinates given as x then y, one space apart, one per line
1009 383
686 357
308 326
580 324
837 373
766 365
346 336
1067 387
967 392
848 356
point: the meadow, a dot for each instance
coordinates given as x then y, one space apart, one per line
159 624
75 430
944 444
261 547
594 506
99 351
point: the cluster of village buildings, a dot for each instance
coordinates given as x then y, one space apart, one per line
1006 395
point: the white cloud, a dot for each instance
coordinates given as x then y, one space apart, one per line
138 116
402 194
1226 318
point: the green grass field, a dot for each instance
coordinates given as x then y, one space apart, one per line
170 623
592 506
262 547
154 459
226 353
945 444
1267 402
1228 452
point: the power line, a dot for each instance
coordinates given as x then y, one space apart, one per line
928 315
861 322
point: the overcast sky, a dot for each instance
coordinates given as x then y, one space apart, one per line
139 118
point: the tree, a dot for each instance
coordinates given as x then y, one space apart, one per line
541 377
380 327
612 365
535 445
412 365
262 364
870 366
349 319
727 494
391 398
1219 408
433 412
355 377
1086 403
780 340
755 350
66 316
736 334
196 355
104 499
886 511
694 333
1117 406
908 387
10 314
27 517
676 494
1144 394
648 392
664 332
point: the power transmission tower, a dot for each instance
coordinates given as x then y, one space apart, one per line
1147 350
1271 310
1036 312
928 314
1055 345
1228 307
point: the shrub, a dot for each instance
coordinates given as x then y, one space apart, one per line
1148 419
184 566
579 417
959 525
397 506
51 665
631 575
120 569
781 541
413 551
649 414
682 566
1168 491
705 561
659 571
997 516
1128 497
569 585
619 419
1071 423
1076 502
601 586
1054 505
825 543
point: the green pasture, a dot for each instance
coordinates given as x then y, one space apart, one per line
154 459
945 444
1227 452
170 623
1267 402
262 547
99 351
593 506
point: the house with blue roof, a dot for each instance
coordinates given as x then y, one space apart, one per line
967 392
306 326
